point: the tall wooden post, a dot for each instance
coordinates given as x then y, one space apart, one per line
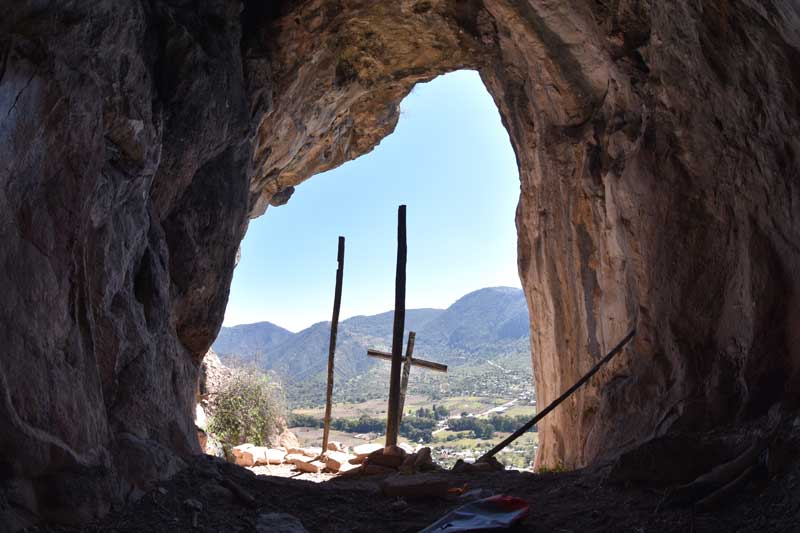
406 371
392 418
337 302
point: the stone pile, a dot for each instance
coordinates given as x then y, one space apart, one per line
311 460
376 459
365 459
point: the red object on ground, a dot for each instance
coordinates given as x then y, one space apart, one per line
494 512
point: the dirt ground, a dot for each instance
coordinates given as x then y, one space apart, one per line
580 501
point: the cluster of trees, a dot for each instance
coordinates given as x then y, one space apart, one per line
508 424
362 424
483 428
480 427
418 427
437 412
414 428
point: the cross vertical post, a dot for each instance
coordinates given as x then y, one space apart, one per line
406 371
392 416
337 302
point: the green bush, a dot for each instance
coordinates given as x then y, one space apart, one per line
247 408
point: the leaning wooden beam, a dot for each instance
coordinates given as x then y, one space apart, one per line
337 303
392 428
438 367
406 371
514 436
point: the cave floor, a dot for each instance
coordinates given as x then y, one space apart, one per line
580 501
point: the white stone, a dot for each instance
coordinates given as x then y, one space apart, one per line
364 450
200 419
337 461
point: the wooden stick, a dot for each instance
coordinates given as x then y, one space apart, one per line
437 367
514 436
337 302
406 371
392 417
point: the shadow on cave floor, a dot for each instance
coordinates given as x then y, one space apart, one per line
579 501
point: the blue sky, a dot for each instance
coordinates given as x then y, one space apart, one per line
449 160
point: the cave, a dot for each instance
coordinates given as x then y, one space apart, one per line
657 146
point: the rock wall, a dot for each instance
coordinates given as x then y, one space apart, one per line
659 184
124 141
658 153
668 197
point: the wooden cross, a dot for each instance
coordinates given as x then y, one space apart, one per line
397 388
408 360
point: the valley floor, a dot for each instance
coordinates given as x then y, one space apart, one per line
580 501
448 446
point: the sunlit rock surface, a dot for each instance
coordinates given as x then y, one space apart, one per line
658 152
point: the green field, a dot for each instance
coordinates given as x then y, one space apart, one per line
518 455
448 446
517 410
377 408
313 437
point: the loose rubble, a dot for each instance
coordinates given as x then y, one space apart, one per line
338 459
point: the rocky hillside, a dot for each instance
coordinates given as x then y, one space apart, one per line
483 325
250 339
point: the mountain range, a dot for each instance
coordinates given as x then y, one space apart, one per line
485 325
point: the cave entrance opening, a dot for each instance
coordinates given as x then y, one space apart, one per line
451 161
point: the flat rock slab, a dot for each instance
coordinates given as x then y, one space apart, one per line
363 450
237 451
379 458
312 467
242 454
337 460
268 456
305 463
490 464
312 452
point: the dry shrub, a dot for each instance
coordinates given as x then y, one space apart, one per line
247 408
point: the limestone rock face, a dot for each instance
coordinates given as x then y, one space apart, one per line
658 151
213 376
123 197
658 163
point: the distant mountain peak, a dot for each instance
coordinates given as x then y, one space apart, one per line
263 323
250 339
483 324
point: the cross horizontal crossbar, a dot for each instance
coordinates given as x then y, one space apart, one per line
430 365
